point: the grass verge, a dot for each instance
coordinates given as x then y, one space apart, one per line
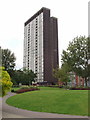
53 100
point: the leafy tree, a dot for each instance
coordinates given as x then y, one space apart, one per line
62 73
22 76
76 56
30 75
8 59
5 81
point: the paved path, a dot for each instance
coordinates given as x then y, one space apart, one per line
13 112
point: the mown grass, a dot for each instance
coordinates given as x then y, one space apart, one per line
53 100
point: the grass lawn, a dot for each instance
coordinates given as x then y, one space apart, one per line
53 100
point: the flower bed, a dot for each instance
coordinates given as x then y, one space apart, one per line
22 90
79 88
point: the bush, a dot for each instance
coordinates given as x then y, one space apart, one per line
22 90
5 81
79 88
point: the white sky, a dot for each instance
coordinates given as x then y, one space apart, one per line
72 21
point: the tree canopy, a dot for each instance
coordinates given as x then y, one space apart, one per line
62 73
22 76
8 59
76 56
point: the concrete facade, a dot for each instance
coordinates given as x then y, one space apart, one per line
41 45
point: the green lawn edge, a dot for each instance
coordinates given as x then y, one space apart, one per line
52 100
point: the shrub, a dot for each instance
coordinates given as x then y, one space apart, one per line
79 88
5 81
26 90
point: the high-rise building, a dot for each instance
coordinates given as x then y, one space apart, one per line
41 45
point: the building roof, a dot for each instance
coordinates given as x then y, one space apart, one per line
35 15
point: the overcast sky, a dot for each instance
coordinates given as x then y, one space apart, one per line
72 21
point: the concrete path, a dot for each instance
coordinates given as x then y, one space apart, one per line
13 112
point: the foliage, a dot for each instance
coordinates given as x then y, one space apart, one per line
62 73
22 76
76 56
5 81
8 59
22 90
14 82
30 75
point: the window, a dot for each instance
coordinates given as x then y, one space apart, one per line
36 62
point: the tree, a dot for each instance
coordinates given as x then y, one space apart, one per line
22 76
76 56
8 59
5 81
30 75
62 73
